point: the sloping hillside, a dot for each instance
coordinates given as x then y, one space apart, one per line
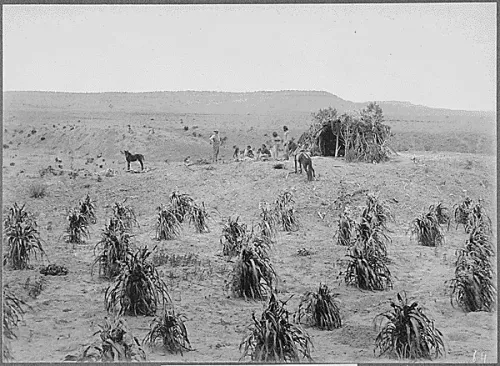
210 103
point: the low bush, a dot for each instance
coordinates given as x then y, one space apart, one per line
320 309
168 225
345 230
116 344
77 229
253 275
114 247
233 237
169 328
22 237
427 229
407 332
274 338
367 271
38 190
13 310
125 215
286 212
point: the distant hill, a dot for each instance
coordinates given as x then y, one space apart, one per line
206 102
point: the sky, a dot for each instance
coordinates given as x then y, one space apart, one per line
439 55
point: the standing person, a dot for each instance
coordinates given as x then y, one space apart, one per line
215 141
285 141
277 143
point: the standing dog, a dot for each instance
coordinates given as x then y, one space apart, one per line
305 161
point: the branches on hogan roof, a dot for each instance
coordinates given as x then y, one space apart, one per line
361 137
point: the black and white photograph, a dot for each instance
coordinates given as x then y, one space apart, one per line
199 183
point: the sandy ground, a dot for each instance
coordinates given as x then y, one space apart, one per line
67 311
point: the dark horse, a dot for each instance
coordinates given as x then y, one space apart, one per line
305 161
133 157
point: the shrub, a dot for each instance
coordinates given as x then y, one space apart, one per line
125 215
371 237
407 332
442 214
116 344
253 275
367 271
479 218
268 221
427 229
168 225
13 311
198 216
274 338
114 248
182 205
35 287
233 237
286 212
320 309
37 190
23 238
77 229
345 230
138 288
473 287
462 212
87 209
169 328
378 211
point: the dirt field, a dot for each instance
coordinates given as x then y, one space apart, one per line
66 313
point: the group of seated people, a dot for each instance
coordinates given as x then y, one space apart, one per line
263 153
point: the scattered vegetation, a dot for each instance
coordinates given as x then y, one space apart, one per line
116 344
138 289
77 229
198 216
182 205
367 271
286 212
407 332
345 231
377 211
125 216
35 288
168 225
233 237
114 247
268 221
473 287
37 190
427 229
442 214
274 338
320 309
253 275
169 328
462 212
471 215
22 237
367 268
13 311
87 209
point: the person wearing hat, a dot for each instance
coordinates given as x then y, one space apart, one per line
215 141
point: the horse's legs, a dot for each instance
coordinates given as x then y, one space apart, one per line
128 165
142 166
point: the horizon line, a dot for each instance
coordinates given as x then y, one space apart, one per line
246 92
